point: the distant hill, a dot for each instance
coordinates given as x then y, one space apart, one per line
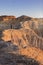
6 18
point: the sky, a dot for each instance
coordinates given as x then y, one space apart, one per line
33 8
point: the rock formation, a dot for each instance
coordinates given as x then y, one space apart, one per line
6 18
22 36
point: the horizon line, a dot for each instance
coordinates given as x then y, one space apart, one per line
20 16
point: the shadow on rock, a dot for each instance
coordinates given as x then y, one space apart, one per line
8 46
15 59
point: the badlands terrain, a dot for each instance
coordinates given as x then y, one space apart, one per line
21 40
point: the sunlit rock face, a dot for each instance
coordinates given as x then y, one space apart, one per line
27 42
6 35
23 36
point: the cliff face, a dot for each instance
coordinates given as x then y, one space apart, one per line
28 42
35 24
23 37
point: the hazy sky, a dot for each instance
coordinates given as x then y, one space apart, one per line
32 8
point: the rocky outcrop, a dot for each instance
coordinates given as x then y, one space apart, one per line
35 24
6 18
18 43
6 22
23 36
